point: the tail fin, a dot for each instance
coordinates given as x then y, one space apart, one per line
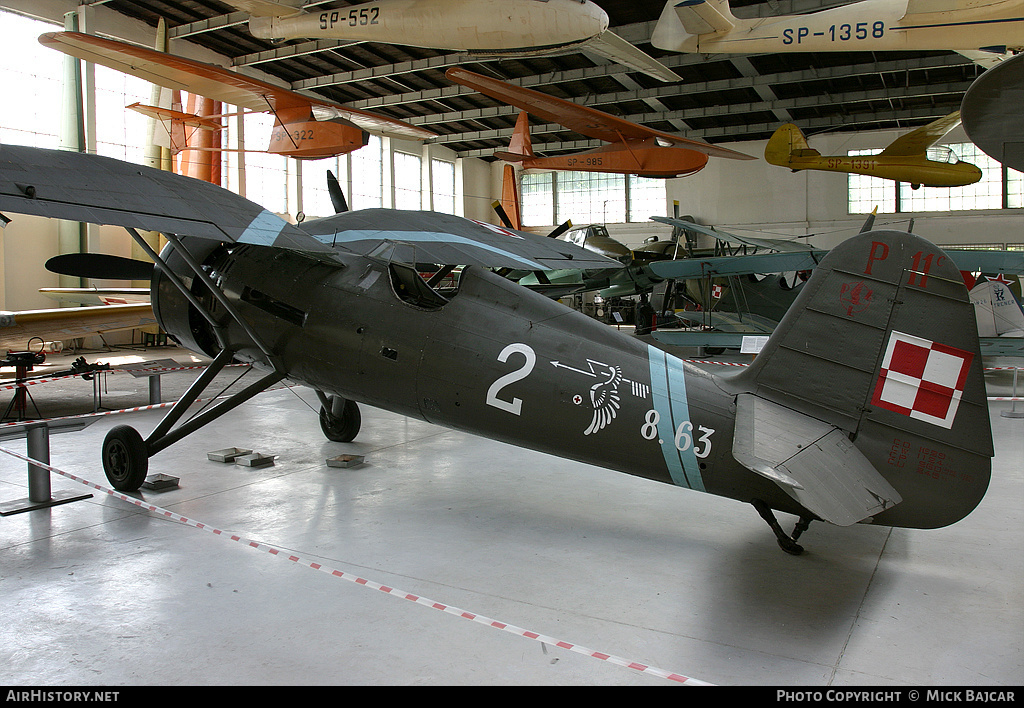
881 346
519 147
510 197
786 143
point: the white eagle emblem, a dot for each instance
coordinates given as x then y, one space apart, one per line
604 395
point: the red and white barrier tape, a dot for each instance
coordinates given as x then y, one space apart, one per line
486 621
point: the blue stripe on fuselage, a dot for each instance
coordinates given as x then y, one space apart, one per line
668 390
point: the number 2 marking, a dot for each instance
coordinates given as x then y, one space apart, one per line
515 405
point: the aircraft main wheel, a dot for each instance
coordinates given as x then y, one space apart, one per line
125 458
343 428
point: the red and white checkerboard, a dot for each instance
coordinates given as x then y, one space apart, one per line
922 379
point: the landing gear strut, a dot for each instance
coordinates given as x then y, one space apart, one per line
126 455
786 542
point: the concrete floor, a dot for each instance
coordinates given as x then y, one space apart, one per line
101 592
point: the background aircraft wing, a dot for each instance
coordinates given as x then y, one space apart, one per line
685 268
62 323
776 244
100 190
916 142
214 82
585 121
987 261
442 239
614 47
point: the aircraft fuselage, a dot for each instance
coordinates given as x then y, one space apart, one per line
914 170
466 25
548 378
871 25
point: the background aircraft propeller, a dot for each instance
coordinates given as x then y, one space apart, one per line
337 195
99 265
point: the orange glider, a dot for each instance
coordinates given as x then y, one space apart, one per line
304 127
633 149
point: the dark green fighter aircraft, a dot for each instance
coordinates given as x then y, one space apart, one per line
866 405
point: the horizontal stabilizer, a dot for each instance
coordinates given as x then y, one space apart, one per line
702 17
511 156
814 462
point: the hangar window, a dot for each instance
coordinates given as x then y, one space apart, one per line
442 180
999 188
408 181
590 197
368 175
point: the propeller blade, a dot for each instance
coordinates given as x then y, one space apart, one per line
100 265
337 195
502 214
560 229
870 221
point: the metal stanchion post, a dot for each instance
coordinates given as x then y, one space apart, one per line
1013 412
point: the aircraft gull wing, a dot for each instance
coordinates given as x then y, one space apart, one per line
774 244
684 268
214 82
585 121
431 237
812 461
916 142
80 187
612 46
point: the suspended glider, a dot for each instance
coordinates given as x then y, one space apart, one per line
484 28
633 149
982 30
912 158
304 127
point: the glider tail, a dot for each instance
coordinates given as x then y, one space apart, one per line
786 143
868 402
519 147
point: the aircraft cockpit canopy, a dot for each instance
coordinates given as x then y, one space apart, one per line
942 153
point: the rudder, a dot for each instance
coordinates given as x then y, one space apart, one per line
786 143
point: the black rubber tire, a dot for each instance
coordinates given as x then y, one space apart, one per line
125 458
343 429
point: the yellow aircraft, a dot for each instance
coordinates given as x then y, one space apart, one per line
910 158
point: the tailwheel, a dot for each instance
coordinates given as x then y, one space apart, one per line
125 458
341 420
786 542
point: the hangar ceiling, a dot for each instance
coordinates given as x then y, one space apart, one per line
718 98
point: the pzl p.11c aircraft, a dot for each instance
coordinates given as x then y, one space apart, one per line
912 157
874 414
967 26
